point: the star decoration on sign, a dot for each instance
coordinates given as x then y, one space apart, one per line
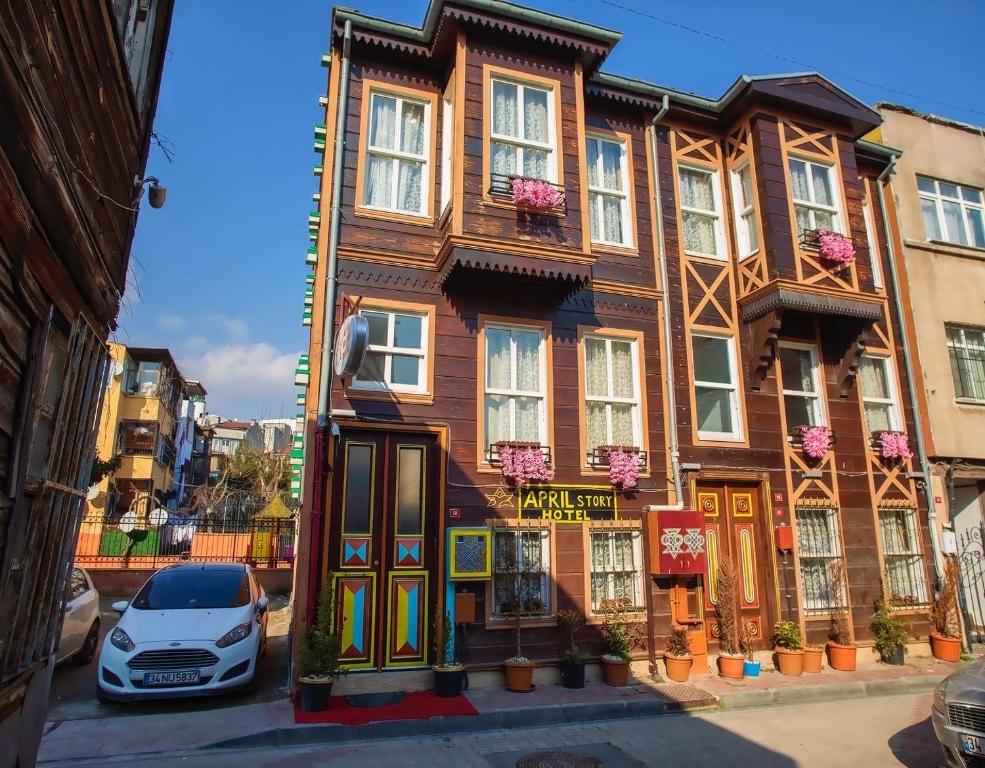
672 540
499 498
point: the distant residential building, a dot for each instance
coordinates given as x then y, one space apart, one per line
186 433
277 433
229 437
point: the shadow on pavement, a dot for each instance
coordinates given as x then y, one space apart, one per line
916 746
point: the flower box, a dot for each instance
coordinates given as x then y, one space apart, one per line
526 192
522 462
624 463
814 441
832 246
893 445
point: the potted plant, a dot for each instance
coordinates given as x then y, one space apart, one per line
889 633
945 637
750 667
321 654
677 656
788 645
813 658
573 658
842 652
518 668
615 661
730 659
449 675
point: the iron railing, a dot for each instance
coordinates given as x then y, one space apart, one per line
971 592
968 372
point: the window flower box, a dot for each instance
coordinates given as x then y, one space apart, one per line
893 445
537 194
832 246
815 442
522 462
624 463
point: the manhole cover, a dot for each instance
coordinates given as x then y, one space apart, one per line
375 699
557 760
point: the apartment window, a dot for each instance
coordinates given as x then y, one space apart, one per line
617 570
801 386
952 213
396 359
701 206
814 195
137 438
906 579
878 394
447 145
744 198
522 131
142 378
515 385
397 154
819 556
716 393
612 402
521 572
871 241
608 192
966 347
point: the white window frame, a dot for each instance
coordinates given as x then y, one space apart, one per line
512 393
611 570
546 542
963 346
396 155
914 556
812 206
721 253
610 399
895 420
597 209
519 142
447 144
390 349
737 435
938 198
818 394
746 226
832 555
872 241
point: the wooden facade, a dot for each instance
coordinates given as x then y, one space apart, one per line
78 89
470 265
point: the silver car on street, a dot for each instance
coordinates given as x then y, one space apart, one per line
959 716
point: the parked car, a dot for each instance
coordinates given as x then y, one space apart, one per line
959 715
192 630
80 626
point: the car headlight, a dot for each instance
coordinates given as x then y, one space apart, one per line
121 640
235 634
940 694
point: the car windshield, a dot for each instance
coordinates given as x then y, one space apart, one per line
172 590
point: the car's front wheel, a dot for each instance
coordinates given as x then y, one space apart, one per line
87 652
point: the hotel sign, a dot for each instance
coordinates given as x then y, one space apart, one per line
567 503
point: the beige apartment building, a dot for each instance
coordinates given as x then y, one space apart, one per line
938 189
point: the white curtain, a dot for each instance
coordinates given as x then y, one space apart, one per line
623 383
596 374
699 233
497 419
504 110
873 376
697 190
535 125
503 159
383 122
798 177
877 416
596 424
952 221
527 360
409 186
606 218
498 358
622 424
612 166
535 163
822 185
379 181
412 125
527 419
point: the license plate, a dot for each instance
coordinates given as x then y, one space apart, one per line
971 745
171 678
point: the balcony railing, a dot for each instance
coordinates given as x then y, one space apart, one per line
599 458
500 185
492 452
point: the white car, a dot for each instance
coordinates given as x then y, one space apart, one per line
192 630
80 625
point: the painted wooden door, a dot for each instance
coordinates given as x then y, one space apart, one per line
383 547
737 528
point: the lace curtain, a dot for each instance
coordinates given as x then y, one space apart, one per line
505 122
613 568
697 191
499 345
380 168
872 374
599 416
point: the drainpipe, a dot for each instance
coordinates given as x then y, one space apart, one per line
322 434
910 378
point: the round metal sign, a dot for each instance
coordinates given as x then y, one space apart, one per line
351 343
157 517
128 522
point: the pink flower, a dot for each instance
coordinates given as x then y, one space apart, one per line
623 468
836 247
815 441
536 193
521 465
893 445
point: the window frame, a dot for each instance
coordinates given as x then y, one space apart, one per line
744 228
593 615
914 554
547 531
836 552
895 414
872 241
717 215
938 199
952 348
738 435
389 350
519 143
610 399
834 182
820 410
626 203
447 145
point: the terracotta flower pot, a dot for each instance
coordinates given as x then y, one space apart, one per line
789 662
678 667
731 666
615 673
842 656
812 660
519 677
945 648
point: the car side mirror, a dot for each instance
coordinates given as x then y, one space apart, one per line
262 604
121 605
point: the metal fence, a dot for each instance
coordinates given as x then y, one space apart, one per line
971 560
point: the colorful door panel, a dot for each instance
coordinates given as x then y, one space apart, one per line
356 600
407 635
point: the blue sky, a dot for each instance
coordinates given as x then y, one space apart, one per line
217 275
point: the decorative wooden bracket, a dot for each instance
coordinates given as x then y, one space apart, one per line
765 331
851 360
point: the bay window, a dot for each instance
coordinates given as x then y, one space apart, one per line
612 392
608 192
701 212
815 195
397 174
522 131
716 392
515 384
802 400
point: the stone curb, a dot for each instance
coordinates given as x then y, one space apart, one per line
830 692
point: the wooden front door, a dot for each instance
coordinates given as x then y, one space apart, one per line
383 546
736 527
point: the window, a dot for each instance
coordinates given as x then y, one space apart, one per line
142 378
801 386
878 394
744 197
966 347
819 554
951 212
396 359
612 406
906 580
396 174
54 370
701 205
137 438
357 503
522 131
716 395
515 386
814 196
410 492
78 584
871 241
617 570
521 572
608 192
447 144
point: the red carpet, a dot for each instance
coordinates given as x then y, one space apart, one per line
417 705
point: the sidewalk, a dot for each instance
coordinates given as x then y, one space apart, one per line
271 724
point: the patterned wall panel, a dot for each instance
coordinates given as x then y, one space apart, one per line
407 631
356 601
